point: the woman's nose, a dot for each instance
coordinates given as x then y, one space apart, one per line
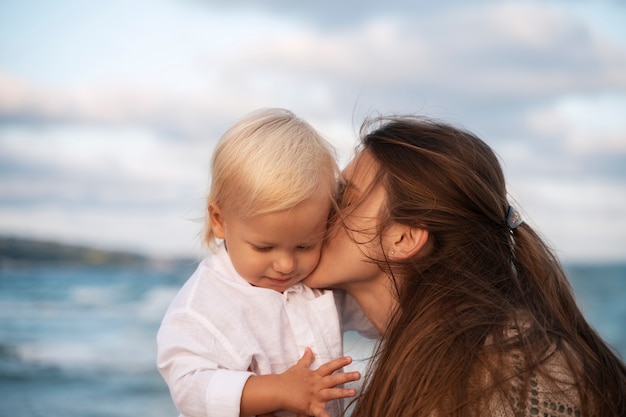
285 264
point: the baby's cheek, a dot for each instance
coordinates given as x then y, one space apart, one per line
311 263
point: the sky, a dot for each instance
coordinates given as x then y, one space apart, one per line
109 110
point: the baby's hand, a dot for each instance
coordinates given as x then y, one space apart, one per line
310 390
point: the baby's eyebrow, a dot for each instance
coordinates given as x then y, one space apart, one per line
259 243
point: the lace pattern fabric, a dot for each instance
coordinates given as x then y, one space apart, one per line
549 392
545 404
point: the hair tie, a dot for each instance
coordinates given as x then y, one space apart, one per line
513 218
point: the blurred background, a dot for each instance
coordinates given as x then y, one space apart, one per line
109 112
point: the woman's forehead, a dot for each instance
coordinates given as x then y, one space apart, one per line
361 171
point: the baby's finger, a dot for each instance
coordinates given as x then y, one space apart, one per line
341 378
307 358
336 393
330 367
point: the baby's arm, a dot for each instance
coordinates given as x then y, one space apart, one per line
298 389
198 367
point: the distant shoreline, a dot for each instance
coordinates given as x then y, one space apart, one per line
17 250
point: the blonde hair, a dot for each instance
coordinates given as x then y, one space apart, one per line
269 161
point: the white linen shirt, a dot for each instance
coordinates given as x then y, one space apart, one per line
219 330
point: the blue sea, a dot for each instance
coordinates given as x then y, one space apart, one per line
79 341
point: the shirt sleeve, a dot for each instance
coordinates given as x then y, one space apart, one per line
198 367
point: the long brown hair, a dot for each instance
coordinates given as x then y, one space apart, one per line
479 284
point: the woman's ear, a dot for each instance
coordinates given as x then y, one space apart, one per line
405 241
217 220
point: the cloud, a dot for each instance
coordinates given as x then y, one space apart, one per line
129 126
583 219
487 51
170 116
586 124
463 58
160 232
78 165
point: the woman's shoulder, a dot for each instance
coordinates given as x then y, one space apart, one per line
539 382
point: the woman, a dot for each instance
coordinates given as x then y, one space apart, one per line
475 313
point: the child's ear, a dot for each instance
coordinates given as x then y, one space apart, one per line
405 241
217 220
